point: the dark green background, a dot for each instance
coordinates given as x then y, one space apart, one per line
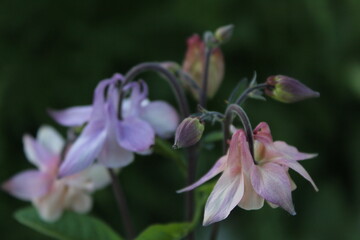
53 53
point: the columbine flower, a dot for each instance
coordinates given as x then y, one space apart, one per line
247 184
108 139
288 90
194 65
50 195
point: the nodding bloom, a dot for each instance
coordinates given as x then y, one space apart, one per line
47 193
107 138
246 182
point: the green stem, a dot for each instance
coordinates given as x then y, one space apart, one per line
245 94
203 96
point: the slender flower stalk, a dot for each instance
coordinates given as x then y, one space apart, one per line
203 97
234 108
245 94
122 205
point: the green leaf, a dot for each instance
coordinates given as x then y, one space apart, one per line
71 226
171 231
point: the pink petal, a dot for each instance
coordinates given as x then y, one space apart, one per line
85 149
226 194
215 170
299 169
162 117
272 183
135 134
239 152
291 153
251 200
29 184
38 154
74 116
262 133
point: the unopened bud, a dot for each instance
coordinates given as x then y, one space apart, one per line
188 132
224 33
194 65
288 90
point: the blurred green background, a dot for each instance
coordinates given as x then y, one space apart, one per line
53 53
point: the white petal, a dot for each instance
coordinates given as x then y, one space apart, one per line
50 139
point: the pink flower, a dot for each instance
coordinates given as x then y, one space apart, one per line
48 194
247 184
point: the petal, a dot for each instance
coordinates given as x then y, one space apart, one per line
28 185
99 176
74 116
251 200
215 170
291 152
99 100
299 169
226 194
272 183
51 206
162 117
262 133
239 152
50 139
38 154
85 149
135 134
77 200
113 155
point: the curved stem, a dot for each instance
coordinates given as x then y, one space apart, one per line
172 80
122 206
234 108
208 51
245 94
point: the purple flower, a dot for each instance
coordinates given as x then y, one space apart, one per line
108 139
247 184
48 194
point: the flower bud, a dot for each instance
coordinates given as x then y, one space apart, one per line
224 33
194 65
188 132
288 90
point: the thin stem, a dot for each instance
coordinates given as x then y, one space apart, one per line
122 206
234 108
172 80
215 231
208 51
245 94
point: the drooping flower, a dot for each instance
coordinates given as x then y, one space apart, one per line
247 184
288 90
47 193
194 65
108 139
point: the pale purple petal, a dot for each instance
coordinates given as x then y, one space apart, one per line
262 133
29 184
272 183
215 170
299 169
99 100
135 134
85 149
113 155
74 116
251 200
162 117
50 139
226 195
38 154
291 152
